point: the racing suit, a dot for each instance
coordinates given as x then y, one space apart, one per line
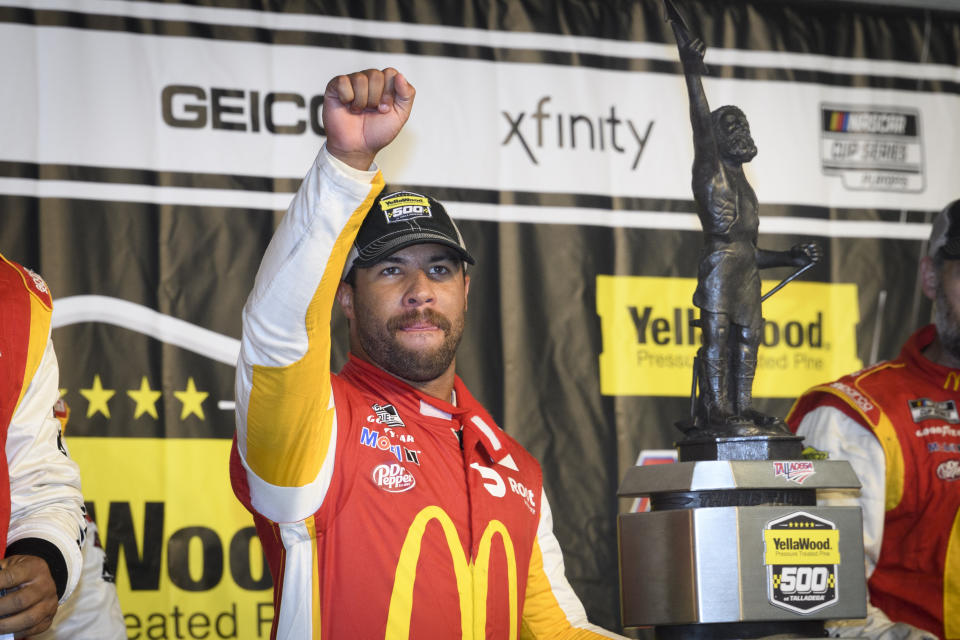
376 521
897 424
41 509
93 611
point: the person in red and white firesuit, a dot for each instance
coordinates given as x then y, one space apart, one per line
93 611
389 503
41 509
897 423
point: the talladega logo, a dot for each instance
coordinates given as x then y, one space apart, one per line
793 471
393 478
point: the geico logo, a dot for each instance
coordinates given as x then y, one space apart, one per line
804 580
142 556
471 577
678 329
191 107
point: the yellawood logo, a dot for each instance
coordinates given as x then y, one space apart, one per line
649 340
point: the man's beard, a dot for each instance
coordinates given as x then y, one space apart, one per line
741 148
948 325
417 365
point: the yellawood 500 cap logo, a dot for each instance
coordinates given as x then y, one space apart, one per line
471 577
649 340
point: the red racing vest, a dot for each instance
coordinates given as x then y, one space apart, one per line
415 532
25 309
911 405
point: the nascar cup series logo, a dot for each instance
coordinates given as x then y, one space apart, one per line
872 148
802 555
393 478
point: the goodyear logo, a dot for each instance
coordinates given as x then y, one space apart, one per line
649 340
398 207
872 148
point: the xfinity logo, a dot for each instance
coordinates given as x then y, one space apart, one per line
545 130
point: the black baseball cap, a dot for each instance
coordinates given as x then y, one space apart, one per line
945 236
401 219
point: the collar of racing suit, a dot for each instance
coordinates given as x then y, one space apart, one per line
912 355
473 419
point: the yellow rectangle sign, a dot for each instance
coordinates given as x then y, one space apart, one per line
804 546
186 557
650 338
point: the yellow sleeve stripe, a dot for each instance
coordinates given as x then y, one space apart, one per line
541 611
896 469
885 433
315 591
951 583
39 335
289 418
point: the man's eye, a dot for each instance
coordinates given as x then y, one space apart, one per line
390 271
439 269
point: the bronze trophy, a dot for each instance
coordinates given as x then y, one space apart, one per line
734 545
728 278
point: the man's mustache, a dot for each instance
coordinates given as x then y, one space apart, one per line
414 317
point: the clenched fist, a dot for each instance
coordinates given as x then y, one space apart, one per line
363 112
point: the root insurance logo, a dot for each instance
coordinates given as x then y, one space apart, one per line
872 148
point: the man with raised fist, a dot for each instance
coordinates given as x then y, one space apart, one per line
389 503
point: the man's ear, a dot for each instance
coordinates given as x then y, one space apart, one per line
345 298
466 289
928 277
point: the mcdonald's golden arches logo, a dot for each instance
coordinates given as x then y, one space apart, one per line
472 577
952 381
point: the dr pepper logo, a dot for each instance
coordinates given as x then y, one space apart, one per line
393 478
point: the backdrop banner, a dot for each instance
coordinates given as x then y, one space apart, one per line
149 150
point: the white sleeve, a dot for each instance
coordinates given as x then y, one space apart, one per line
831 430
45 498
551 608
286 431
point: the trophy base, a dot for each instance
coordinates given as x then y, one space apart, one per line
753 447
742 630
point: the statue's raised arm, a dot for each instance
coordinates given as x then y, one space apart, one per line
692 50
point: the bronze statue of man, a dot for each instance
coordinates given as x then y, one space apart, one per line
728 280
